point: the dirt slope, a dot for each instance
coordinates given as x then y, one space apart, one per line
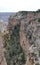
2 58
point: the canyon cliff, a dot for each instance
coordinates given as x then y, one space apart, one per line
24 28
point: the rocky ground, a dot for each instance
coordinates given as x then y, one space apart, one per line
2 57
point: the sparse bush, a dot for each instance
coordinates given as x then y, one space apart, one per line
37 64
23 12
38 11
39 20
39 53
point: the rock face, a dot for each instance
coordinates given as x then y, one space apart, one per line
3 26
2 57
29 24
29 29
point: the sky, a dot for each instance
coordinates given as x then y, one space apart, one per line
19 5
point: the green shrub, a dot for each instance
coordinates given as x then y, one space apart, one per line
37 64
39 53
38 11
39 20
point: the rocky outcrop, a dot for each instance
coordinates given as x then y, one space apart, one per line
29 29
30 22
